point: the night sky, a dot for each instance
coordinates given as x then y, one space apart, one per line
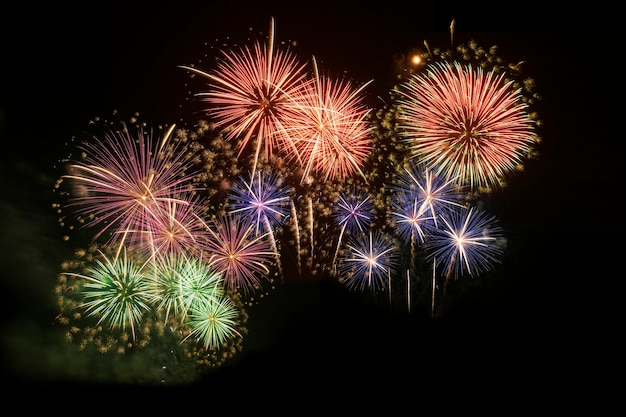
543 315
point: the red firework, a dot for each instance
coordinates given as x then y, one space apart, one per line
466 123
250 95
331 130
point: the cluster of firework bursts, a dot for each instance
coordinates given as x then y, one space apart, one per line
287 175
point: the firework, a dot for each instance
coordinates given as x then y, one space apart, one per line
199 284
353 212
331 130
418 196
117 290
465 123
175 226
239 254
167 284
124 179
409 219
251 93
368 262
263 199
467 241
214 322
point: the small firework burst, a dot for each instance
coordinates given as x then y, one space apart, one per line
368 262
242 256
214 322
407 217
175 226
263 199
353 210
465 123
418 195
468 241
199 283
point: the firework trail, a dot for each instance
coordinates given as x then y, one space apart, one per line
330 130
353 212
465 123
123 180
239 254
251 93
369 261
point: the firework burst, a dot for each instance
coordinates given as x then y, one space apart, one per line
353 213
369 261
199 284
465 123
214 322
176 226
117 290
123 179
239 254
419 195
330 130
263 199
251 94
467 241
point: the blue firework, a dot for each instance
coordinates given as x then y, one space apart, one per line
353 211
410 221
468 241
263 199
368 261
428 194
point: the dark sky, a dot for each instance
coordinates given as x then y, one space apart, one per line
64 66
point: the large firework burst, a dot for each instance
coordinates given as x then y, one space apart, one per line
465 123
251 94
124 179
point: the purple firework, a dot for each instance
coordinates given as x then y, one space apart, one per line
418 196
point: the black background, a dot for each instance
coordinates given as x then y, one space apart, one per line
548 318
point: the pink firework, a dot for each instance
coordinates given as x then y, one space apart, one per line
239 254
175 226
465 123
123 180
250 95
331 130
